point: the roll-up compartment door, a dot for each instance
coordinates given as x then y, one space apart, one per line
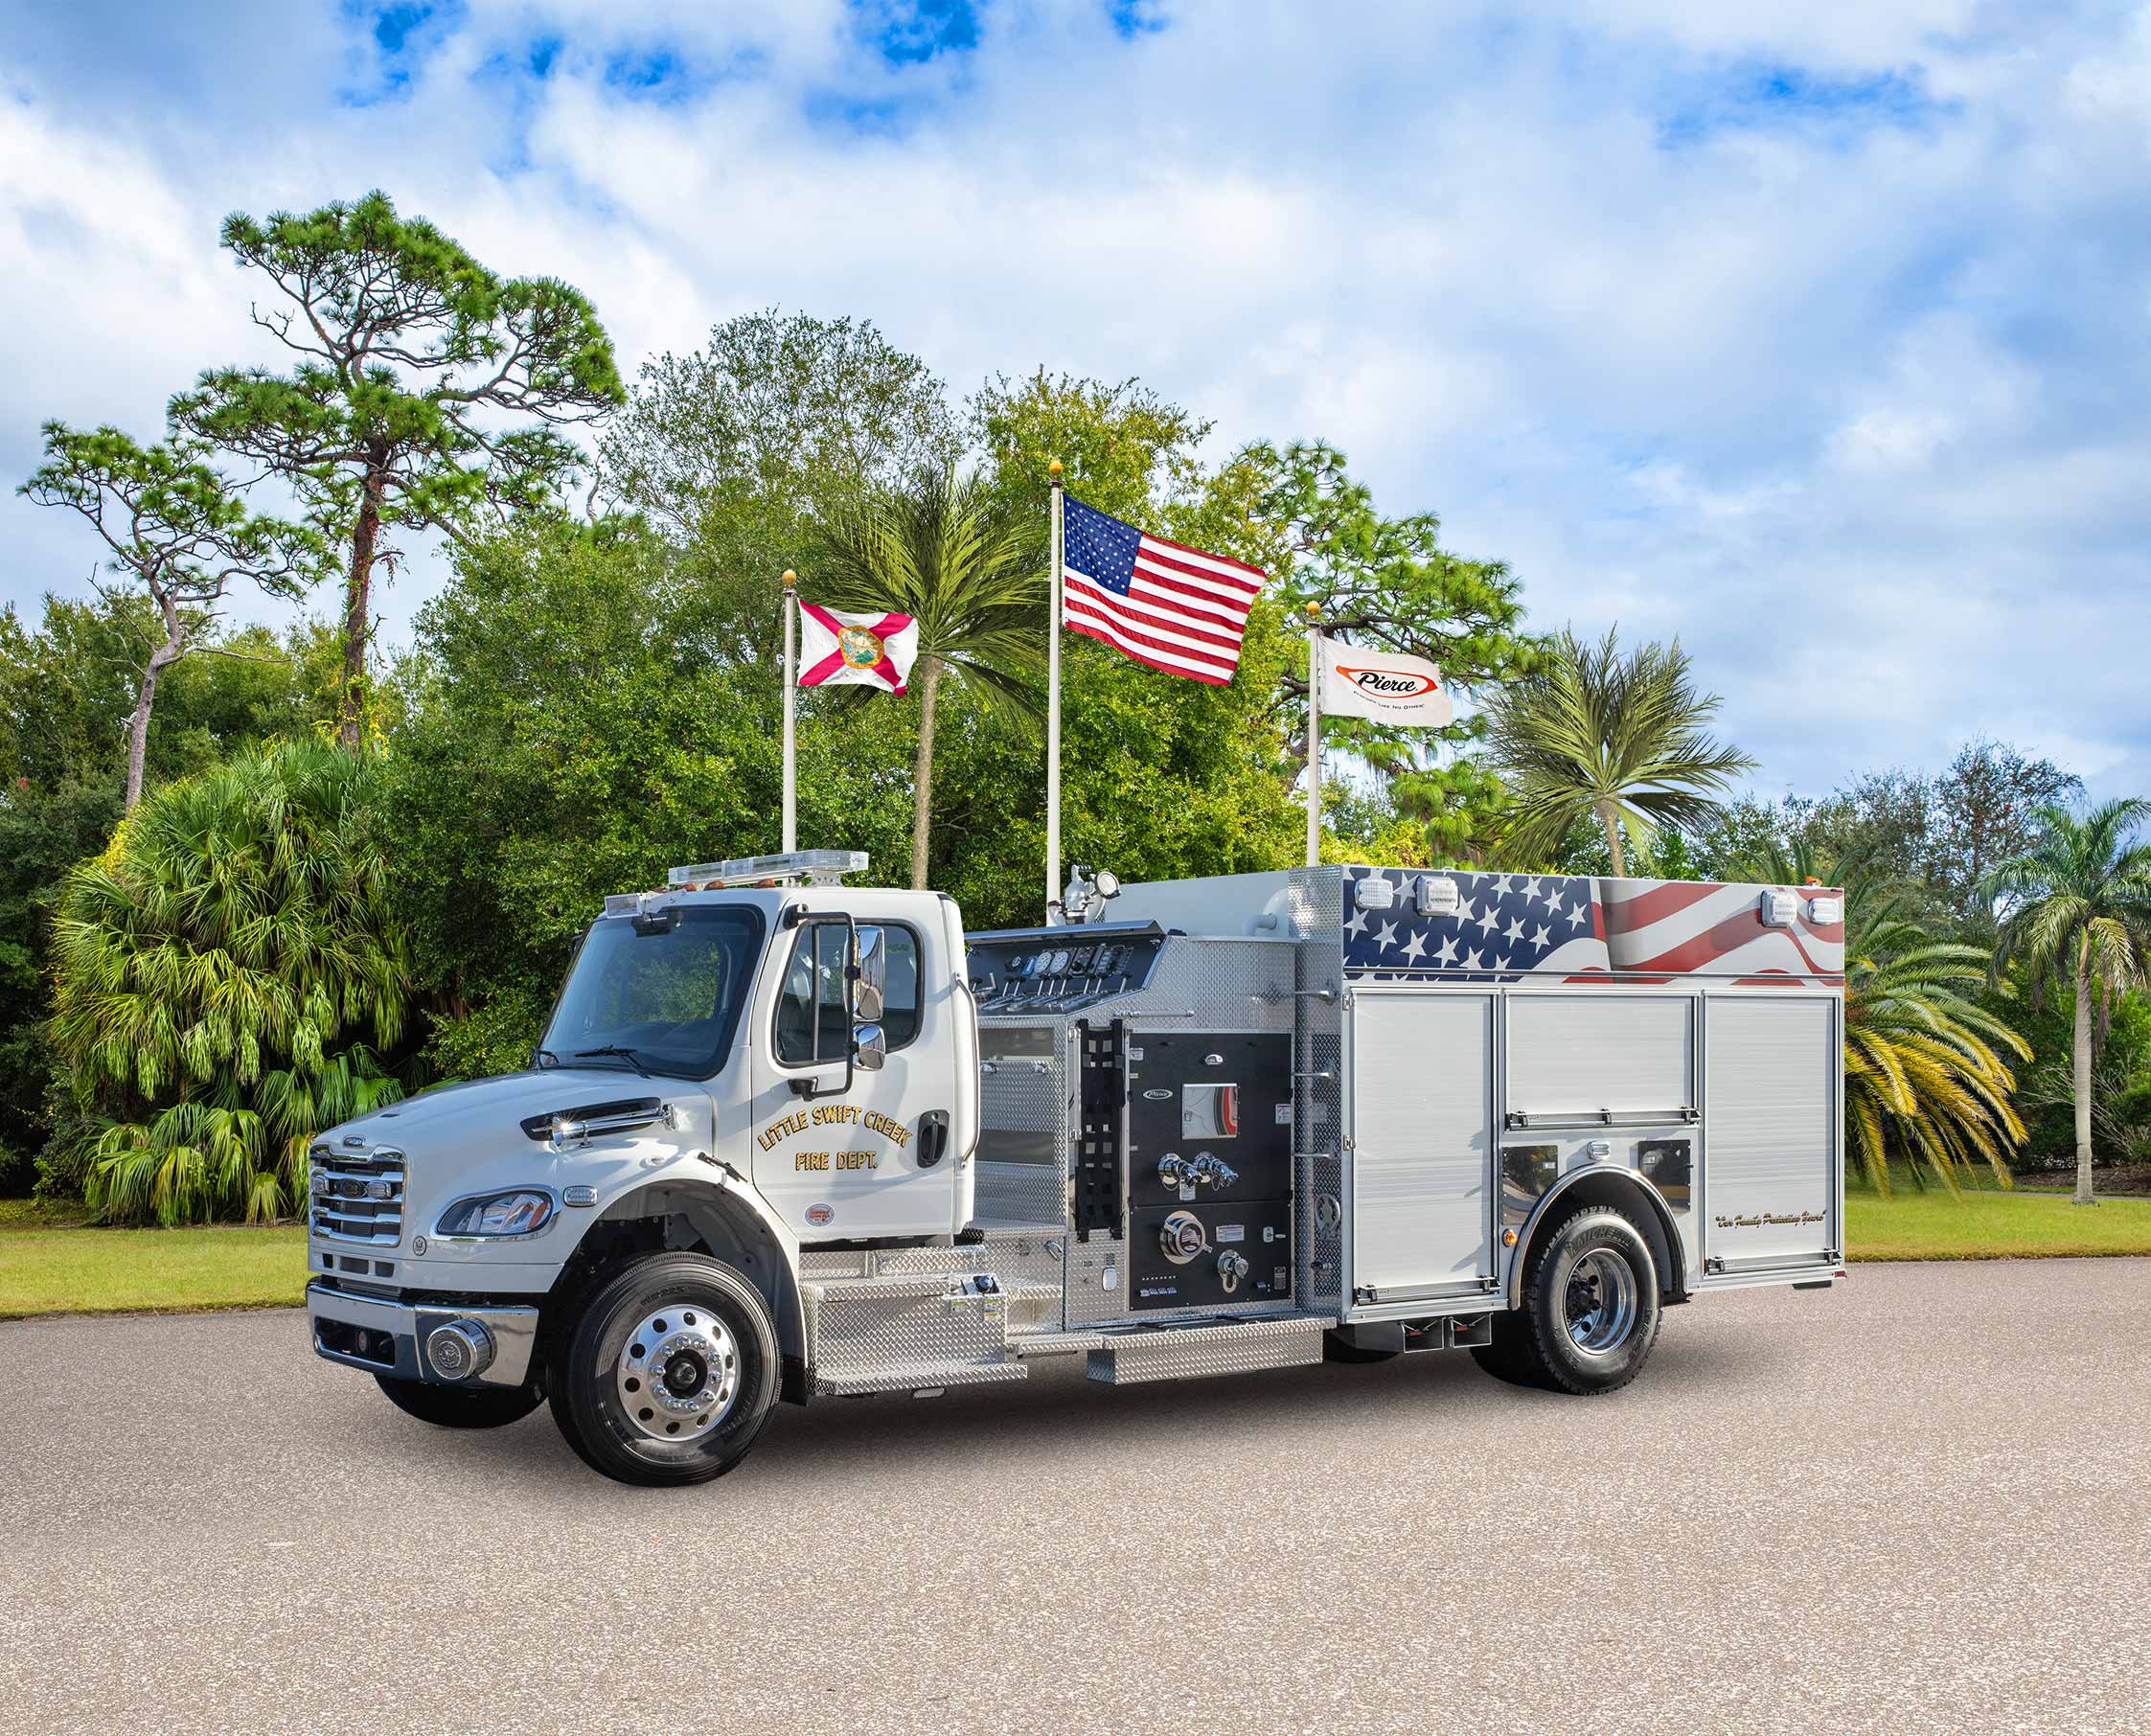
1596 1052
1421 1122
1770 1166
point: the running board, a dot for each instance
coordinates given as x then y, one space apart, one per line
1128 1355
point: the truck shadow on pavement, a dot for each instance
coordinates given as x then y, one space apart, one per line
1056 1410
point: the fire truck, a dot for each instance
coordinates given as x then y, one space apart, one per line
790 1139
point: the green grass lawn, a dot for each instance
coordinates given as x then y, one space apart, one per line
49 1263
47 1268
1988 1224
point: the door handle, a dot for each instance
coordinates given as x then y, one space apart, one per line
933 1137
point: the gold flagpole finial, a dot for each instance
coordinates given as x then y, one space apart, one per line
1053 468
1314 611
791 578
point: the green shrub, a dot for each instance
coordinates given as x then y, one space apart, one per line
216 971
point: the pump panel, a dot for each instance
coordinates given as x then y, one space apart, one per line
1209 1118
1210 1255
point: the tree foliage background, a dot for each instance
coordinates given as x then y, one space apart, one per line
594 696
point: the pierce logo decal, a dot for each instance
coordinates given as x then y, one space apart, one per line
820 1214
1390 683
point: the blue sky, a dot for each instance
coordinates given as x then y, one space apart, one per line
1818 334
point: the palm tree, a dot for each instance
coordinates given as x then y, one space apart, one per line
213 971
2079 910
1624 738
1923 1074
1922 1071
944 552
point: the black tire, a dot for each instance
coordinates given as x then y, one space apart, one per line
1575 1291
1507 1356
587 1400
459 1406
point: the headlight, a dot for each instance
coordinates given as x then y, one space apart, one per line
519 1212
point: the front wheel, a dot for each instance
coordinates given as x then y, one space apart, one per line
670 1374
459 1406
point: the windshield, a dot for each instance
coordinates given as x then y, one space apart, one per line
661 1002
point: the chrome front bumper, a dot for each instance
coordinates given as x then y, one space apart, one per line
389 1338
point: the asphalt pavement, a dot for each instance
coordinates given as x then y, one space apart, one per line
1919 1502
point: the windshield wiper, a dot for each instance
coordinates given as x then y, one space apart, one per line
627 1054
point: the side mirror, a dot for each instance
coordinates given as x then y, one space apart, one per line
869 977
870 1048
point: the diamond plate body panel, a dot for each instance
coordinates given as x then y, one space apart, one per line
1226 985
1316 906
898 1334
1024 1109
1187 1353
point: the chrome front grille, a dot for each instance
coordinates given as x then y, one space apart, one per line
357 1196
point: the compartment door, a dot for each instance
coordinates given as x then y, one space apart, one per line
1600 1056
1772 1071
1420 1164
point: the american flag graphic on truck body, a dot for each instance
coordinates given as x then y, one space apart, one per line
1593 931
1174 607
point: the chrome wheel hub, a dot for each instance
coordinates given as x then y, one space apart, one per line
678 1373
1599 1307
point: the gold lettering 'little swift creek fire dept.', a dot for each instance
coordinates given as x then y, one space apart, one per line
792 1124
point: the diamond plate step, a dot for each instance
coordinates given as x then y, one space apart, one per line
1128 1355
907 1333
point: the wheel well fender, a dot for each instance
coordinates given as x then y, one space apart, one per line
1625 1191
682 1215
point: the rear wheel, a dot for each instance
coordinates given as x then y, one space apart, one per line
1591 1304
1591 1309
459 1406
669 1375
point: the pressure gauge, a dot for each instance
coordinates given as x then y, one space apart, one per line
1059 964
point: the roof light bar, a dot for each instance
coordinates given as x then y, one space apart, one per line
796 868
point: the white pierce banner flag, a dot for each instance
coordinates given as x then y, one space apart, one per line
1384 687
838 648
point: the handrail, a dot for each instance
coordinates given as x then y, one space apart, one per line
1687 1114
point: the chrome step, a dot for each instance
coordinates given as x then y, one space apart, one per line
1128 1355
1028 1345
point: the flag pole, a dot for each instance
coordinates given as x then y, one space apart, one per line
1314 734
791 707
1053 710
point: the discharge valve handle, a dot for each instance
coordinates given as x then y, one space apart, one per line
1203 1169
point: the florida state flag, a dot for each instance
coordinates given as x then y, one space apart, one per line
836 649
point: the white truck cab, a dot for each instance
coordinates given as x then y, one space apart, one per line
784 1138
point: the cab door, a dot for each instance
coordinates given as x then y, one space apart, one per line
873 1158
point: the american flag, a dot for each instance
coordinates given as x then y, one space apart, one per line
1163 604
1584 930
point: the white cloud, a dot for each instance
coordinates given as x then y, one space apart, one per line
1890 440
1815 335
